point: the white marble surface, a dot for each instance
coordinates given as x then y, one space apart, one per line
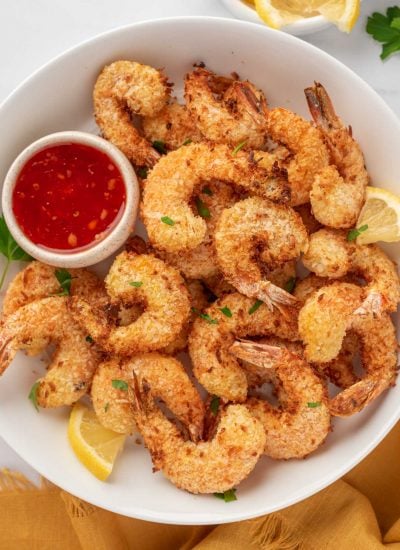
32 33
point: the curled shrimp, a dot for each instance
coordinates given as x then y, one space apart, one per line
173 126
330 254
122 89
39 280
302 422
338 192
233 316
309 153
33 328
168 380
225 110
170 222
208 466
254 233
138 279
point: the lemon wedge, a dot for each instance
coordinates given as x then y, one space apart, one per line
381 215
95 446
277 13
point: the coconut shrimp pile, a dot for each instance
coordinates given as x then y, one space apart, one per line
238 198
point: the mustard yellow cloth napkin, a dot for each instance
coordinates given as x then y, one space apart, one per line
359 512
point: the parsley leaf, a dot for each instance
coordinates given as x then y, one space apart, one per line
106 407
227 496
314 405
255 306
187 141
142 172
290 284
89 339
386 29
10 249
238 147
167 220
202 208
136 284
205 316
226 311
160 147
63 276
33 395
207 191
119 385
214 405
353 233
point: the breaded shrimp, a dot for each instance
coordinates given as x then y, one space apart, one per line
309 152
233 316
173 126
338 191
208 466
330 254
177 177
302 421
310 222
33 328
168 380
257 233
235 116
123 89
38 281
201 262
144 279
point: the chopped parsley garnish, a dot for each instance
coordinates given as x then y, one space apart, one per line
207 191
33 395
290 284
160 147
106 407
227 496
167 220
142 172
187 141
119 385
226 311
314 405
10 249
214 405
238 147
136 284
63 276
89 339
386 29
202 208
205 316
255 306
353 233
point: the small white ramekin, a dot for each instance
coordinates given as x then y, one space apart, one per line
114 237
299 28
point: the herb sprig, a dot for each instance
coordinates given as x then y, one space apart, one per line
10 249
227 496
386 29
119 385
205 316
64 277
354 233
214 405
33 395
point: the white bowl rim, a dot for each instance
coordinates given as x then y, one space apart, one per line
199 519
121 227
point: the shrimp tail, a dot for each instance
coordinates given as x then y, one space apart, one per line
267 292
320 106
252 104
262 355
373 304
7 351
355 398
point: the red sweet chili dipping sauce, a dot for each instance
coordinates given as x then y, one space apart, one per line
67 196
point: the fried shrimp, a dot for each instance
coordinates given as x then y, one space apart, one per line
123 89
309 152
170 222
168 380
144 279
38 281
33 328
338 192
208 466
173 126
330 254
232 114
255 233
302 421
233 316
201 262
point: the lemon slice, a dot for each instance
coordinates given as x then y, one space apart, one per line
277 13
381 213
95 446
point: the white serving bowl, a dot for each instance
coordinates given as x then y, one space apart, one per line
299 28
58 97
114 237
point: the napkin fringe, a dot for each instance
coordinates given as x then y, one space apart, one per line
11 480
77 508
273 533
